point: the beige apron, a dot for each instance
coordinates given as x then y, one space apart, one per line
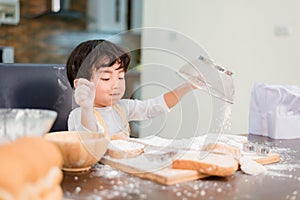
122 114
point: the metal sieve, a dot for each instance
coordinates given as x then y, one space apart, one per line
214 79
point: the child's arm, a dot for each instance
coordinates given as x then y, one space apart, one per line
174 96
84 97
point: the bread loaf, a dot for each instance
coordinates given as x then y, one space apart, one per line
222 148
121 149
30 169
211 164
119 136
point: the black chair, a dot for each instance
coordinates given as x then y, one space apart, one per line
42 86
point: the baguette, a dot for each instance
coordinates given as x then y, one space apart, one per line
30 169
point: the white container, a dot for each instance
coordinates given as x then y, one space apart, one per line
275 111
283 126
258 123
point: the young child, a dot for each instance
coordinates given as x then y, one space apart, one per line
96 69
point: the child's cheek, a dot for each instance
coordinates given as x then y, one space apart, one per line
122 84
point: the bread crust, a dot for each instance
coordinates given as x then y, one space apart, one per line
122 149
211 164
221 148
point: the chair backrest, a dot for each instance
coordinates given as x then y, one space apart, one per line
43 86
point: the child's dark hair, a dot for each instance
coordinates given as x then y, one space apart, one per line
93 54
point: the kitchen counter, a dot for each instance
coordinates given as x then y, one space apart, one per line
281 181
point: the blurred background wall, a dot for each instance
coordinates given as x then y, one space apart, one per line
259 40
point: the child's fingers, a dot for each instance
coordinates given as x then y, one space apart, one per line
84 90
84 96
83 81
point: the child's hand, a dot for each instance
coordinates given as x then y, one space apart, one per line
84 93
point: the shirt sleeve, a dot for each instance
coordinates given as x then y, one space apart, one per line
146 109
74 122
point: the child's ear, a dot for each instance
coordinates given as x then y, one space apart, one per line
75 83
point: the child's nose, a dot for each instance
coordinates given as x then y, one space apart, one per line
116 82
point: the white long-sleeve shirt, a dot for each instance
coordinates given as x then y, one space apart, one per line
135 110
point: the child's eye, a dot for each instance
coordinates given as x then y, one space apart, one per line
105 79
121 78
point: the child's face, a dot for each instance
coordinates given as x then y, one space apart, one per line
110 85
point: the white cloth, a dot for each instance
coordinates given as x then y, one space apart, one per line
136 110
275 111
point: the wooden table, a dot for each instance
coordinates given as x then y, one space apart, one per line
282 181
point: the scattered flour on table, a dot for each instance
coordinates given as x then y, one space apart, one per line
285 166
126 186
